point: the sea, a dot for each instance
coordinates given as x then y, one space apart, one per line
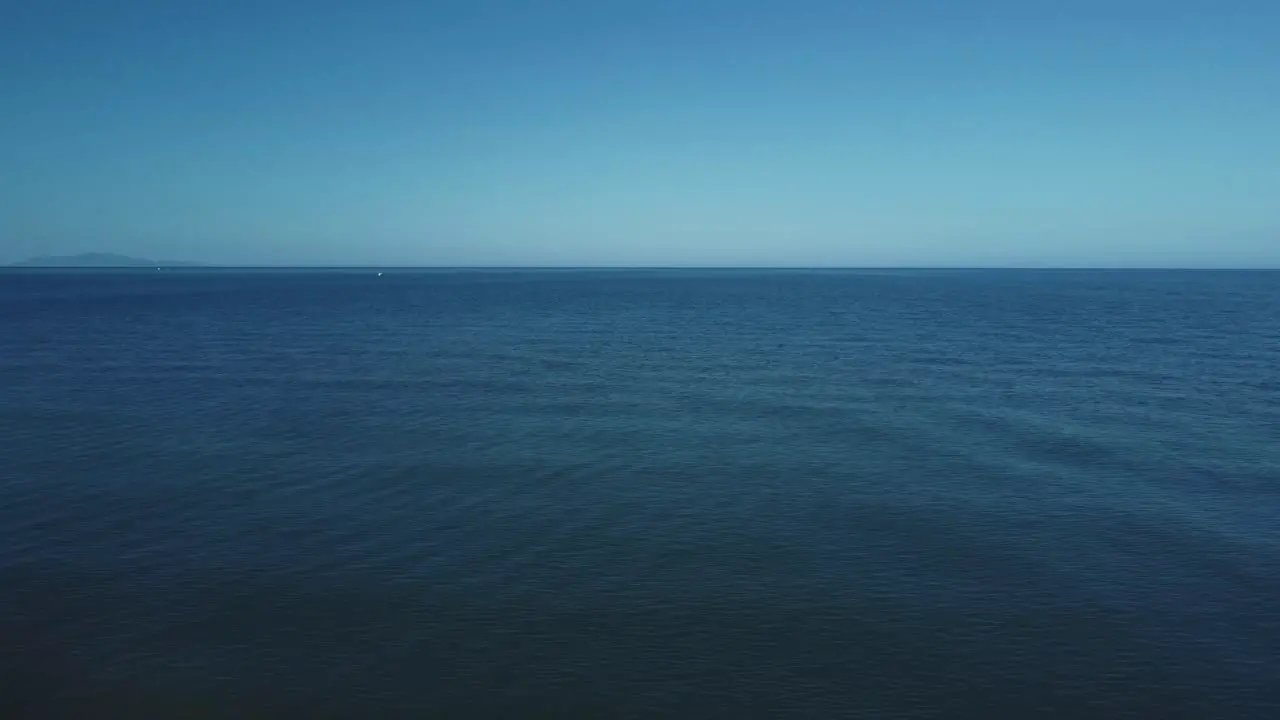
361 493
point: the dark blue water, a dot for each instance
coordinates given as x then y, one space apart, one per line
640 494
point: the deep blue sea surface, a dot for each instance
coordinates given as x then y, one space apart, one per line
947 494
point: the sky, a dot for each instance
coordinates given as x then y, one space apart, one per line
1089 133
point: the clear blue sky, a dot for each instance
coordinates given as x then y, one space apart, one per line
650 132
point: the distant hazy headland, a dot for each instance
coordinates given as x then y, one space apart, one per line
100 260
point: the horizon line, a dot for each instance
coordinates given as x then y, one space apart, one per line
198 266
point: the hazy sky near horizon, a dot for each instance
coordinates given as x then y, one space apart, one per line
643 132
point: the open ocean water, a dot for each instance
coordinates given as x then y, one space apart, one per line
947 494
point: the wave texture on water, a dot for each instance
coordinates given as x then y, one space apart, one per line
640 494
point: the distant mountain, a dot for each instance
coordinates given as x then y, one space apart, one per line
98 260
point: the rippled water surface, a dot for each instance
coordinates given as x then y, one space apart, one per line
640 494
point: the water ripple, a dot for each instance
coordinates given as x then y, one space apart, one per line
640 494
